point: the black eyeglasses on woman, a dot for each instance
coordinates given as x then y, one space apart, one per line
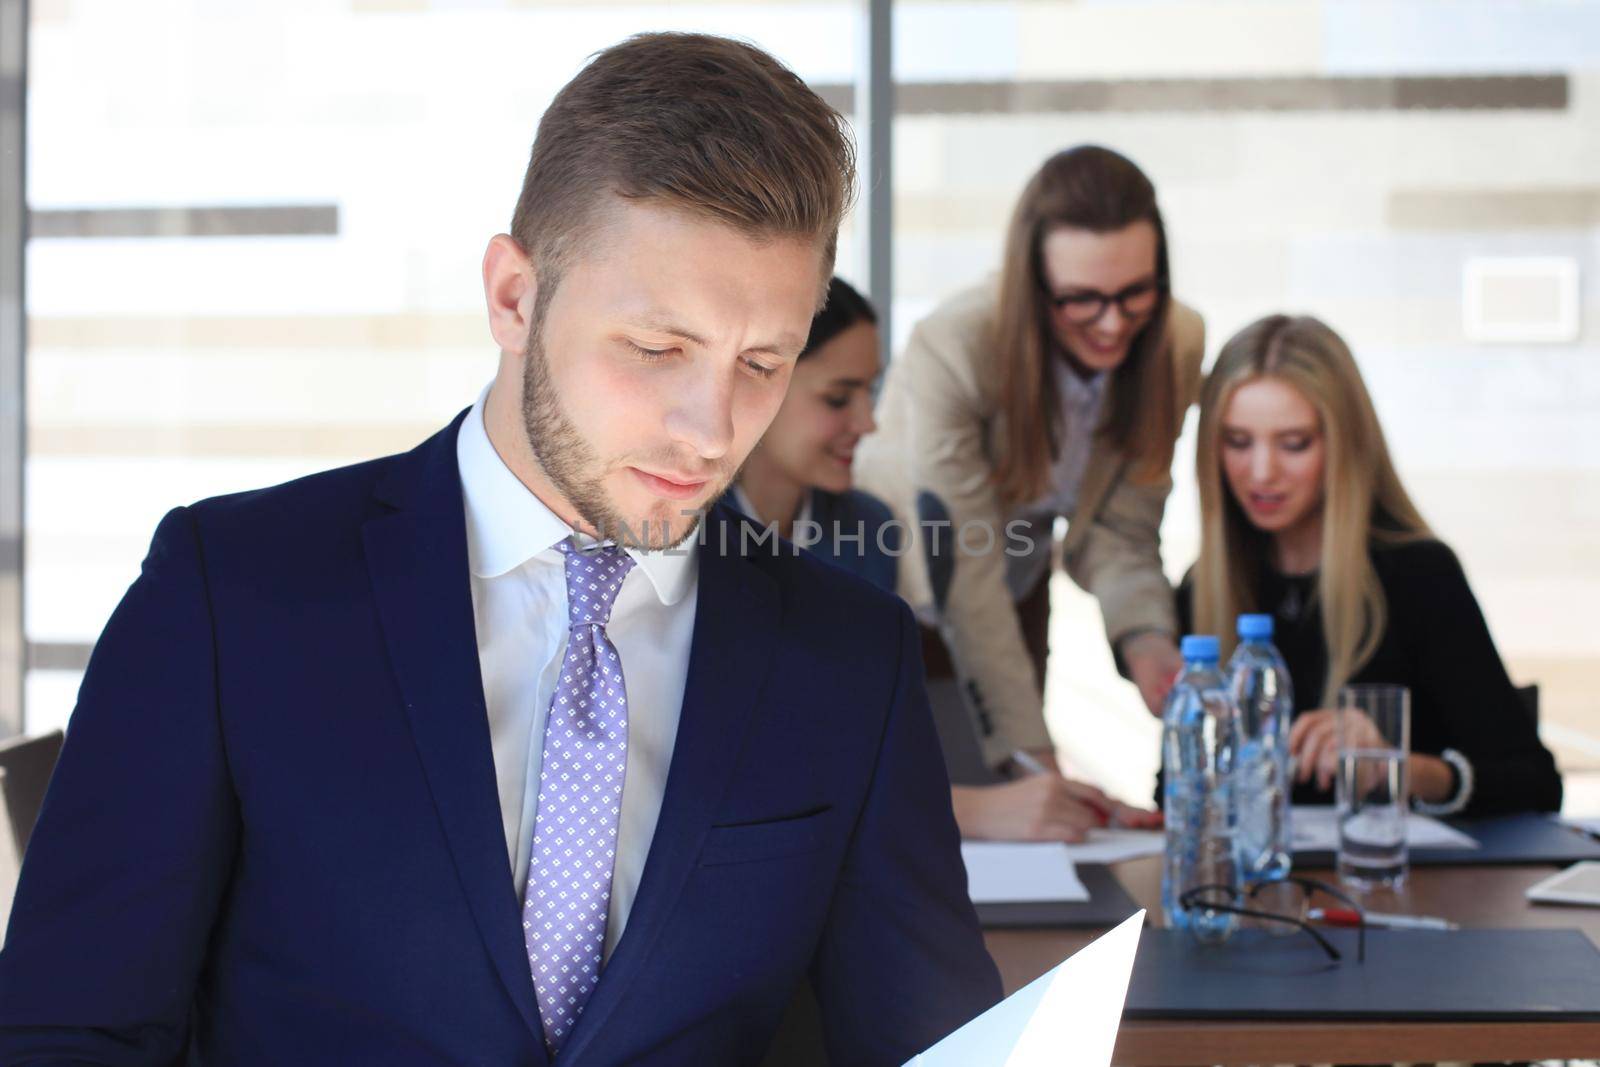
1085 307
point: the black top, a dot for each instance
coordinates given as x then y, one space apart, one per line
1437 644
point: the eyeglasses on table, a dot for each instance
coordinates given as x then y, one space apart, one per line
1243 902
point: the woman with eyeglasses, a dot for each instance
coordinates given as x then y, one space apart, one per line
1055 391
798 480
1303 516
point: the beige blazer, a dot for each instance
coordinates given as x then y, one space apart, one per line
939 428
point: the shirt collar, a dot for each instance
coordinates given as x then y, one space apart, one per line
507 524
1082 393
741 500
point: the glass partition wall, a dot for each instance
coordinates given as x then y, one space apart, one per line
256 234
1421 174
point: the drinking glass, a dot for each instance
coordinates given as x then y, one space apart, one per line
1373 730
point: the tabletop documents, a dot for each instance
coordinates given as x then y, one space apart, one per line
1316 829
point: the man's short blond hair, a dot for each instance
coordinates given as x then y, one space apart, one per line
712 126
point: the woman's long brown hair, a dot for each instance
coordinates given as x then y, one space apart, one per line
1094 189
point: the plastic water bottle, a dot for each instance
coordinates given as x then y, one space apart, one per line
1263 693
1199 745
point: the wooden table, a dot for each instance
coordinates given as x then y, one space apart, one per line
1489 897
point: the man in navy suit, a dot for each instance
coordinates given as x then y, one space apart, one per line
504 751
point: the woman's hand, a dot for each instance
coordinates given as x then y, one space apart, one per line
1314 742
1153 663
1041 807
1314 746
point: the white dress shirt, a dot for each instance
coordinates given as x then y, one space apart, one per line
519 602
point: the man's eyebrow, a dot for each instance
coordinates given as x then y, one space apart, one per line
658 324
785 347
851 383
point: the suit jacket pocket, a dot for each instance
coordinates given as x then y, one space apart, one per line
748 842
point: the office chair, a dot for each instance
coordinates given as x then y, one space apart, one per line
25 767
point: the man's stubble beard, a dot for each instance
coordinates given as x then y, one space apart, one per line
577 473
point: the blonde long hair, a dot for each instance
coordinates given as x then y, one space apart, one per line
1363 500
1094 189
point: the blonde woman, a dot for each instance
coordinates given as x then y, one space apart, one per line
1303 516
1056 390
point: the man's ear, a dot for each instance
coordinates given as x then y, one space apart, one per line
510 285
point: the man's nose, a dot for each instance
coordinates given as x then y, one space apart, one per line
700 414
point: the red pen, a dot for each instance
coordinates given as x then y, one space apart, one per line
1351 917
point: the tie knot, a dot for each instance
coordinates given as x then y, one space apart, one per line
594 576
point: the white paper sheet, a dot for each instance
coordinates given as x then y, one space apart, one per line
1006 871
1114 846
1316 829
1070 1015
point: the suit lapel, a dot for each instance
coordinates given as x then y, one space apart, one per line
417 561
735 633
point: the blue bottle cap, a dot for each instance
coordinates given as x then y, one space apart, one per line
1201 647
1255 627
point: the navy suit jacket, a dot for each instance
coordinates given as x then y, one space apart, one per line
274 835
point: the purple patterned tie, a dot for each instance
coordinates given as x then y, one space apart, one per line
580 799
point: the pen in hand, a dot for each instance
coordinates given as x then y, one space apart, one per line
1029 764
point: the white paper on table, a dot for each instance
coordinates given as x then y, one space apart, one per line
1000 872
1070 1015
1316 829
1114 846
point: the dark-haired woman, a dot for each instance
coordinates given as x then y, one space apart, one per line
1057 391
799 479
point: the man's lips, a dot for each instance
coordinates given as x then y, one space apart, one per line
673 487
